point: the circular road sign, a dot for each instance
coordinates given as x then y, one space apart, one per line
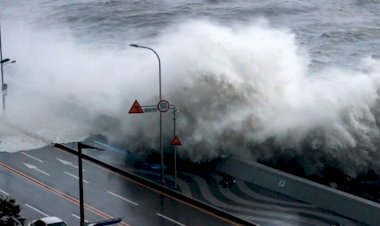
163 105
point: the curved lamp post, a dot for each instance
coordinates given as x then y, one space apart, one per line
160 98
3 62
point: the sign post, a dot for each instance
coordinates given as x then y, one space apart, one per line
162 106
175 142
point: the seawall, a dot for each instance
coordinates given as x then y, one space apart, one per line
342 203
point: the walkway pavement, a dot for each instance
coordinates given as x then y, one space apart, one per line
245 200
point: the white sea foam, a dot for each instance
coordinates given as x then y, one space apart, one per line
245 89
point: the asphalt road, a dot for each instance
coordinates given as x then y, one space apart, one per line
45 183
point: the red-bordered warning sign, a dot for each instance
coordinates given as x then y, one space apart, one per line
136 108
176 141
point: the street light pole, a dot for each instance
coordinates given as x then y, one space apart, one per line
80 173
3 61
160 98
3 87
80 168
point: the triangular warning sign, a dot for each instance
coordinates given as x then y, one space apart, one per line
136 108
176 141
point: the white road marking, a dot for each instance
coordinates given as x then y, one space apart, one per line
72 175
64 162
36 169
120 197
32 157
169 219
76 216
4 192
37 210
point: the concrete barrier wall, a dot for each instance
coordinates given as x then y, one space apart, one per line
351 206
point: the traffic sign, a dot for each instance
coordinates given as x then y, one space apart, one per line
176 141
136 108
150 109
163 105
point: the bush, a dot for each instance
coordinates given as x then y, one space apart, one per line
10 212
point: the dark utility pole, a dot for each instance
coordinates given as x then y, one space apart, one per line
81 201
80 173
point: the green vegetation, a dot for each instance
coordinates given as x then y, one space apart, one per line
10 212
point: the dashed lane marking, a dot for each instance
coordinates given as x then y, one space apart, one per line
72 175
57 192
35 209
170 219
76 216
32 157
5 193
122 198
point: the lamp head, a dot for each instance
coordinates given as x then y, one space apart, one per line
134 45
5 60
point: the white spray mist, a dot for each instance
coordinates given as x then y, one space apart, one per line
242 89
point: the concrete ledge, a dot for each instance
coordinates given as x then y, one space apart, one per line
342 203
